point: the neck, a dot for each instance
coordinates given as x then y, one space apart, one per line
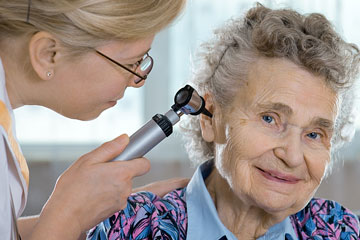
14 92
244 220
19 83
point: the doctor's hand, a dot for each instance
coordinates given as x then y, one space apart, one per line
161 188
89 191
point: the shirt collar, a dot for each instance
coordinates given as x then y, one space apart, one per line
203 220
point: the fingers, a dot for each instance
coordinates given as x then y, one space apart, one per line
108 150
123 171
161 188
134 168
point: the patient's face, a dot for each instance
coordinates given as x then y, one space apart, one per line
278 133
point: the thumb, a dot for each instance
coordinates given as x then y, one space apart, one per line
109 150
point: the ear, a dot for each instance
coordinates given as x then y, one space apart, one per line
207 124
43 52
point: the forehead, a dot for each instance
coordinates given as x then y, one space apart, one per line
289 88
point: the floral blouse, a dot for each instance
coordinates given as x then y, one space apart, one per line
190 213
149 217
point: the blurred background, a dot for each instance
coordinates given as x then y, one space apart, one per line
51 142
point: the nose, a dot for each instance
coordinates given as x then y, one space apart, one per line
290 149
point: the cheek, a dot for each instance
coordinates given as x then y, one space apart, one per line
242 148
91 92
316 165
246 142
101 77
104 86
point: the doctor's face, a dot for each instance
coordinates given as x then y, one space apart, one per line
278 133
86 87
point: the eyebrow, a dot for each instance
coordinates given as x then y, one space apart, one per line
285 109
328 125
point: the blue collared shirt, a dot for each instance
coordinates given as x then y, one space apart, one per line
203 220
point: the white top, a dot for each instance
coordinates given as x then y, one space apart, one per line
14 173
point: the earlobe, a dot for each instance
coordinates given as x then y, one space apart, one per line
43 50
206 123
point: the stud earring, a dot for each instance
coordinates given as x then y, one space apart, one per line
49 74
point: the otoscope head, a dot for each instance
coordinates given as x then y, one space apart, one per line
188 101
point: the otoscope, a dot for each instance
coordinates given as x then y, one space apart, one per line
187 101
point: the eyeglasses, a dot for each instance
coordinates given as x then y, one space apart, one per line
142 67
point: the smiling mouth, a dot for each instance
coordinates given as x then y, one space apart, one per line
278 177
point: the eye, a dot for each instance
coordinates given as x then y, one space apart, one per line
268 119
314 135
134 65
272 120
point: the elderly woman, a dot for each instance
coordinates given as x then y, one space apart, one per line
280 86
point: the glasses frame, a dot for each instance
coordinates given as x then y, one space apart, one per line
128 69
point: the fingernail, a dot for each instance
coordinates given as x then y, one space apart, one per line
124 138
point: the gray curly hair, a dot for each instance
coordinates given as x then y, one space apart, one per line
309 41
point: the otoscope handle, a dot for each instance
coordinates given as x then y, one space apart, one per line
148 136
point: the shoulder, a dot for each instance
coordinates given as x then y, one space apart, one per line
146 215
149 202
325 218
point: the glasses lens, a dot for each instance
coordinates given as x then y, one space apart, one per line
145 66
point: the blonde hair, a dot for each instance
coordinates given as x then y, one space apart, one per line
84 24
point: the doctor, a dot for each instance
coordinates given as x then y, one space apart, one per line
76 58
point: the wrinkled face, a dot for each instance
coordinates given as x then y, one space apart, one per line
86 87
278 133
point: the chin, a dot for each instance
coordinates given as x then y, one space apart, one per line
273 206
88 116
274 203
91 116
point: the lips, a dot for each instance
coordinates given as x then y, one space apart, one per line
278 176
